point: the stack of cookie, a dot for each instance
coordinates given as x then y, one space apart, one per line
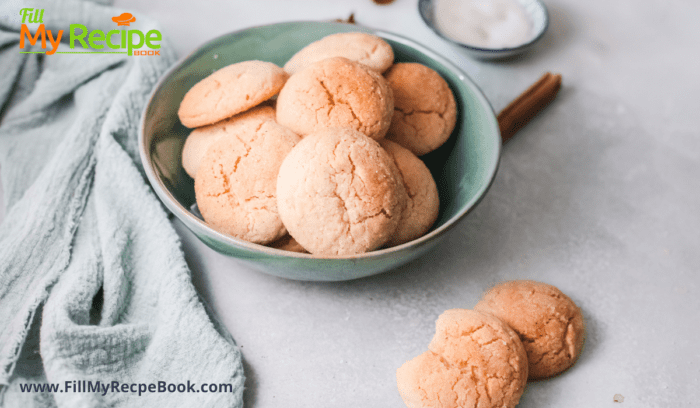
320 156
519 331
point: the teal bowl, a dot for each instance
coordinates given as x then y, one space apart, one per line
463 168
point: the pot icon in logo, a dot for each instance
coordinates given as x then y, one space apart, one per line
124 20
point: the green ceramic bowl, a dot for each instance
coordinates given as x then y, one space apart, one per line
463 168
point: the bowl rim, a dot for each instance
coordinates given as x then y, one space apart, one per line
181 212
490 51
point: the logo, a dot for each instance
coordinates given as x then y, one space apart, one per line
124 20
117 41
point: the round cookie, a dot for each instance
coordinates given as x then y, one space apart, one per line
336 92
423 203
236 184
367 49
425 112
474 360
230 90
200 139
548 322
339 193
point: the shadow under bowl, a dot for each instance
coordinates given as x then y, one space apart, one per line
463 168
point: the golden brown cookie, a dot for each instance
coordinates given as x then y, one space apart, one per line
423 203
339 193
425 111
474 360
200 139
336 92
230 90
367 49
548 322
236 184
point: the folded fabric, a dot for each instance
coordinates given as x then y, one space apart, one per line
93 282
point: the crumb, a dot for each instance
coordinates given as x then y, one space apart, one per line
349 20
618 398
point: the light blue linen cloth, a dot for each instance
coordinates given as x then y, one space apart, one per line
93 282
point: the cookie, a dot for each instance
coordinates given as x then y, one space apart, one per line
425 112
474 360
423 203
339 193
367 49
200 139
548 322
230 90
336 92
236 184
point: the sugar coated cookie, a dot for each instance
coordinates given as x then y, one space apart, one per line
548 322
340 193
423 203
367 49
474 360
230 90
425 111
336 92
200 139
236 184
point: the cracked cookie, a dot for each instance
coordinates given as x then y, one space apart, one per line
230 90
339 193
336 92
236 184
200 139
364 48
423 203
425 111
474 361
548 322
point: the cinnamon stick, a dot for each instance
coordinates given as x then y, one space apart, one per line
526 106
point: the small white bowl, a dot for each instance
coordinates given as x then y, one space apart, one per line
535 9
